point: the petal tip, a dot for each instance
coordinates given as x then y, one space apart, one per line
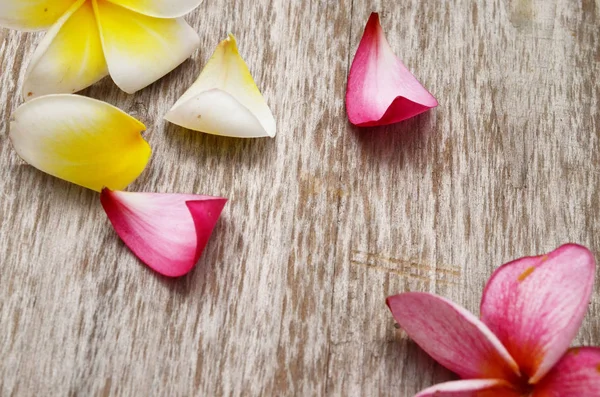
577 248
230 39
374 19
388 301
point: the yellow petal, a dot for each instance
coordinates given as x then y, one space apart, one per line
139 49
32 14
160 8
224 100
69 58
80 140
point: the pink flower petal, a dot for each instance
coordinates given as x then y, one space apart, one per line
576 374
471 388
535 305
168 232
452 336
381 90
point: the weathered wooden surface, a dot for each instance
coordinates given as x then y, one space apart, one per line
325 220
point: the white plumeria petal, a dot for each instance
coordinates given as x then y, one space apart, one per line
140 49
31 15
160 8
225 100
69 58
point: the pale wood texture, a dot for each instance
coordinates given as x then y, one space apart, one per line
325 220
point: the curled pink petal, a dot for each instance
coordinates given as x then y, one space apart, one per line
381 90
168 232
535 305
471 388
576 374
452 336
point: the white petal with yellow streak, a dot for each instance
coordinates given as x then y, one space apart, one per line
31 15
225 100
69 58
81 140
140 49
160 8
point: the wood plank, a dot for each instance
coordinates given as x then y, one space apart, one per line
325 220
505 167
86 318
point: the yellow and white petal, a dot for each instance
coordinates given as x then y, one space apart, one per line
80 140
224 100
160 8
69 58
140 49
31 15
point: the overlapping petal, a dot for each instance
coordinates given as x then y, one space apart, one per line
160 8
32 14
81 140
70 57
140 49
576 374
452 336
536 305
168 232
224 100
471 388
381 90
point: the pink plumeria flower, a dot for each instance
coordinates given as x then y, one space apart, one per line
531 310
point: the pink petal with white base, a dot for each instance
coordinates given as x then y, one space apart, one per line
471 388
452 336
576 374
535 305
381 90
168 232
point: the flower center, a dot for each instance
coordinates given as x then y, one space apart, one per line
524 388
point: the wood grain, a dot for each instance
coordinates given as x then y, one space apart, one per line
325 220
